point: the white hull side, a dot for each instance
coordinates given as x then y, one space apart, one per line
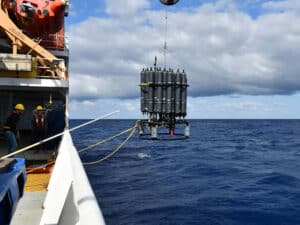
70 198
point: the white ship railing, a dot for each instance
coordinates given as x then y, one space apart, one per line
70 199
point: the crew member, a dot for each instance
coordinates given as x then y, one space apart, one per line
38 124
55 124
10 128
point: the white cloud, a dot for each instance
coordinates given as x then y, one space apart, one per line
223 50
86 86
125 7
290 5
218 107
128 108
244 106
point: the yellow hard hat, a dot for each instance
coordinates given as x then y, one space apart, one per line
39 107
19 106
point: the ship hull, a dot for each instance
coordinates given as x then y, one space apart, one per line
34 72
69 198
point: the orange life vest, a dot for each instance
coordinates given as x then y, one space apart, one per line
39 120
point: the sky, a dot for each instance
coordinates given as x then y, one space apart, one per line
241 57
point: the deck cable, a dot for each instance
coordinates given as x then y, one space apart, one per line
133 129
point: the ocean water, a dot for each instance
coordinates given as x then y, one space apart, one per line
229 172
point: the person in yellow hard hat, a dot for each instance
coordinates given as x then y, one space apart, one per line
10 128
38 124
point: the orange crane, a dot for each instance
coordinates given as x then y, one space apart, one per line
53 66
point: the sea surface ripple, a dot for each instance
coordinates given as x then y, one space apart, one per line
229 172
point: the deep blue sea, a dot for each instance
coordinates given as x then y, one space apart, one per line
229 172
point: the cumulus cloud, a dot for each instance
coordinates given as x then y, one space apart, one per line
290 5
243 106
125 7
128 108
222 49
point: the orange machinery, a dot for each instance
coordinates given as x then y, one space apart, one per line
41 20
35 27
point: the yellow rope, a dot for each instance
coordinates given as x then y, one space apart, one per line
40 181
105 140
133 129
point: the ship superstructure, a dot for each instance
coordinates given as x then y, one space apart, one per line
33 62
34 72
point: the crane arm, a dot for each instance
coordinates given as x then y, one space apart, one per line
14 33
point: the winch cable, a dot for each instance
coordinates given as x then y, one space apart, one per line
133 129
165 47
